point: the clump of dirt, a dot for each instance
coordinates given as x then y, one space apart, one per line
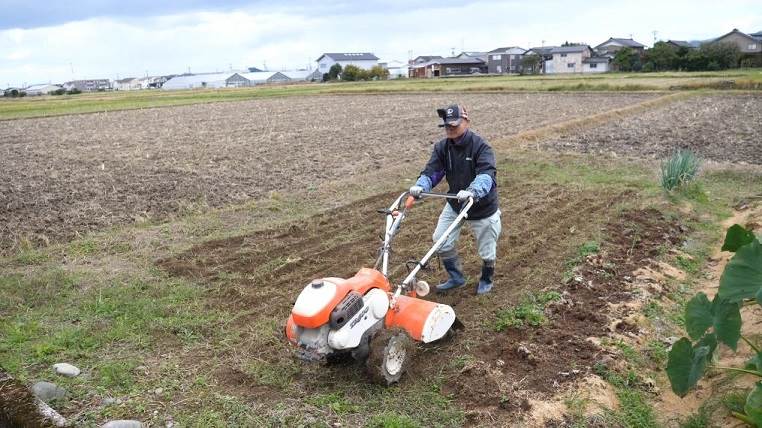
17 405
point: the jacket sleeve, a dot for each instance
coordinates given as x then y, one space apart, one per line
485 173
434 171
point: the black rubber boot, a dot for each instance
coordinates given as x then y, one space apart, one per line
485 282
453 267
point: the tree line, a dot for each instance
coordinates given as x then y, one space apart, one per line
667 57
353 73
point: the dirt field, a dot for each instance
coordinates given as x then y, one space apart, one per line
228 361
484 371
720 128
68 175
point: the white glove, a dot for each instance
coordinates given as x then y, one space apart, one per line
463 195
415 191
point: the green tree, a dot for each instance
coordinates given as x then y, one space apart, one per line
530 64
378 73
353 73
661 57
334 72
721 55
627 59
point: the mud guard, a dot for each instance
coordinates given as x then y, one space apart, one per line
423 320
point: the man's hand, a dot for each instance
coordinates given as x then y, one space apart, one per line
415 191
463 195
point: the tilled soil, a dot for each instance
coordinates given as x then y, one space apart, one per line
259 275
716 127
67 175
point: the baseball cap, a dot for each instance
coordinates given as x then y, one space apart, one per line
452 115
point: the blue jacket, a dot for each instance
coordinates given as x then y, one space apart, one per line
467 163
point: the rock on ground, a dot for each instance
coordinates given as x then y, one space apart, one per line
66 369
123 424
47 391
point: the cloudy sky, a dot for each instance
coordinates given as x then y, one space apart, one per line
52 41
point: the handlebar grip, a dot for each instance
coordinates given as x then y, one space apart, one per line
409 202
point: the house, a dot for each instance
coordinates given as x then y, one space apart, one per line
397 69
41 89
89 85
448 67
466 55
424 58
196 81
596 64
678 44
505 60
544 53
364 60
303 75
613 45
567 59
748 44
237 80
126 84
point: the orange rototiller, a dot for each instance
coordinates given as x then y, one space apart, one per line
365 316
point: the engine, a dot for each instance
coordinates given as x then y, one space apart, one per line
331 316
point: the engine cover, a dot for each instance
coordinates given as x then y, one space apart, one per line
374 308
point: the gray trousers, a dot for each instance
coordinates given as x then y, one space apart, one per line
486 230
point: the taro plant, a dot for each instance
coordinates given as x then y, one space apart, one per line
679 170
710 323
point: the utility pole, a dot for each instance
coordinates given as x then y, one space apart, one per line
452 51
543 43
654 33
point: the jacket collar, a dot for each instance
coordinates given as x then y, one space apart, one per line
462 140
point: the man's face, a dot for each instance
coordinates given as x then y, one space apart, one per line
454 132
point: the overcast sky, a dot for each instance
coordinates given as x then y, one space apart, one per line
59 41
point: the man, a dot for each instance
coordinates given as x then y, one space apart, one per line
468 163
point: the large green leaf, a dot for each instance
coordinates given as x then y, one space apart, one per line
723 315
742 277
753 406
726 318
736 237
686 365
698 316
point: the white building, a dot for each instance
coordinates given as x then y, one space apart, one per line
238 80
596 64
303 75
397 69
41 89
567 59
364 60
195 81
126 84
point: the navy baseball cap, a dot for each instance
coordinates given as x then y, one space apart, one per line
452 115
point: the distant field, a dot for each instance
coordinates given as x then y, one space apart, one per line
99 102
